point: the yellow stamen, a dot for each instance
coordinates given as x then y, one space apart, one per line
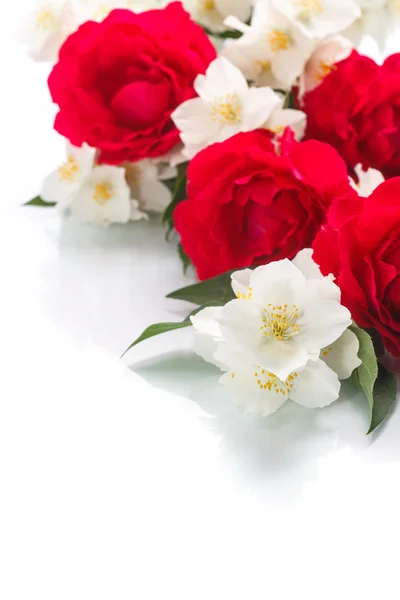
323 70
46 18
101 12
133 173
247 296
279 40
227 109
277 130
308 8
70 170
280 323
271 382
206 6
102 193
262 66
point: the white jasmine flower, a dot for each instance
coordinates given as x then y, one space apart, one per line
61 185
98 194
272 50
319 18
105 198
368 181
286 320
323 61
144 179
287 117
211 13
45 29
98 10
342 355
50 23
225 106
230 338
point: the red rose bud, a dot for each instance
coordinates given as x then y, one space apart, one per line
249 204
356 109
117 82
361 247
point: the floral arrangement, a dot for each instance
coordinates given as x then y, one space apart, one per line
271 146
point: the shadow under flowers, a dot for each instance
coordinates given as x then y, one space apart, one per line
279 453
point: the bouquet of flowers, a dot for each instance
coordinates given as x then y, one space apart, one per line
272 147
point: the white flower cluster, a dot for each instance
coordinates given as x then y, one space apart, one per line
285 337
226 106
105 194
282 36
288 42
50 23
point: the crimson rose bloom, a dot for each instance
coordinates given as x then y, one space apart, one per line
356 109
117 82
249 204
361 247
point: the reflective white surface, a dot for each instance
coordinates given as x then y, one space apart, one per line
142 481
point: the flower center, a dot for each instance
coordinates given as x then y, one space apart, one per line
308 8
46 18
323 70
206 6
270 382
70 170
133 174
280 322
247 296
262 66
101 12
278 40
226 109
102 193
277 130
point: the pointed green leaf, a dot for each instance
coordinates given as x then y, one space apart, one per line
385 392
39 202
223 35
378 384
218 290
178 195
160 328
185 260
367 373
290 100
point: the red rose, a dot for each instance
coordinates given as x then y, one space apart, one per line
117 82
356 109
361 246
249 204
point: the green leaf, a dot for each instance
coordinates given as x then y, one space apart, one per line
186 262
290 101
367 373
216 290
178 195
170 184
385 392
223 35
160 328
39 202
378 384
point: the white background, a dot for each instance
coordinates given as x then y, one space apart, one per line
141 480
